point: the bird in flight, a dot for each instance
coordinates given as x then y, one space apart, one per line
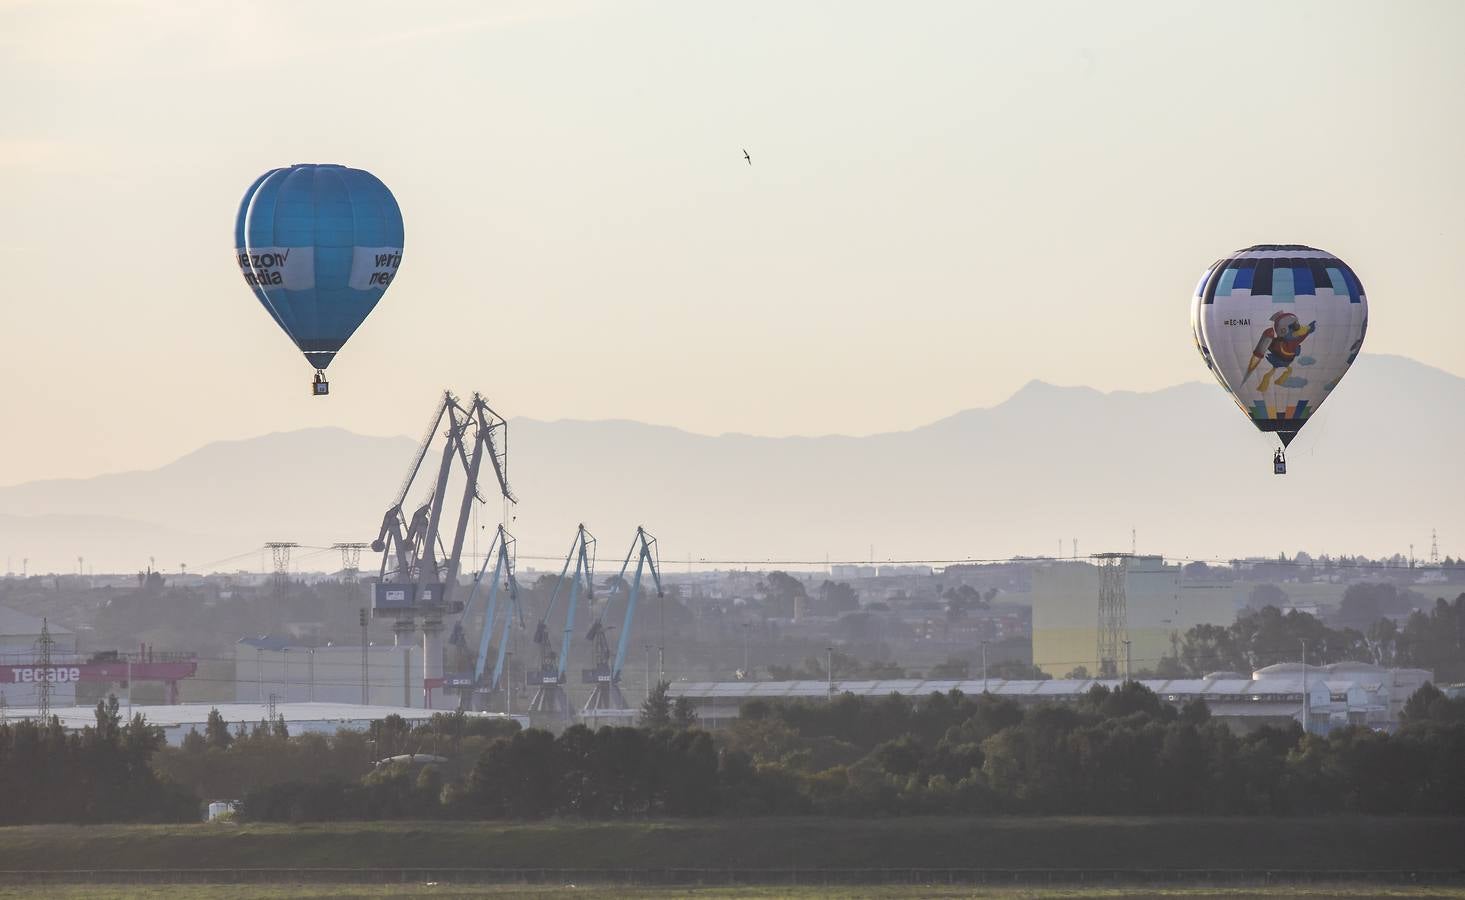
747 157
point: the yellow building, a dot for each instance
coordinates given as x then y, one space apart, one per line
1159 604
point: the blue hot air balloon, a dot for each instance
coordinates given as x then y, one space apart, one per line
318 245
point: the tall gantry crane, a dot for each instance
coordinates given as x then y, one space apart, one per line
482 681
606 675
548 679
418 571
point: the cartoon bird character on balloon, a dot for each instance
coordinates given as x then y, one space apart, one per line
1281 346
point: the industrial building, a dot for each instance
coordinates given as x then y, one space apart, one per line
266 667
21 676
1337 695
1157 602
177 720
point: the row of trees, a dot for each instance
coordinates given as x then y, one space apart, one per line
100 774
228 762
1113 752
609 773
1432 639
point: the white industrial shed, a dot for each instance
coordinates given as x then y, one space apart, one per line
300 718
1340 694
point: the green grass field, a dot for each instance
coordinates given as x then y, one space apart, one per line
1337 843
729 851
443 892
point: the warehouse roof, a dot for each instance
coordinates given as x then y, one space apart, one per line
190 714
1051 688
1271 682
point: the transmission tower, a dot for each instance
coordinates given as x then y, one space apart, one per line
350 559
1434 547
280 554
1113 618
350 566
43 704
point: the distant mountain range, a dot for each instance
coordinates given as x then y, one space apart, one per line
1377 469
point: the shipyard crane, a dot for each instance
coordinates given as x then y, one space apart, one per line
501 552
419 570
549 678
606 675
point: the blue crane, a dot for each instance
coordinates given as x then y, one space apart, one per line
501 551
421 552
606 675
549 678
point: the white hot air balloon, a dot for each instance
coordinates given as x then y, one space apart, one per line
1279 325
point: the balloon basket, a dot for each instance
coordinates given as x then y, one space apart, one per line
320 387
1279 463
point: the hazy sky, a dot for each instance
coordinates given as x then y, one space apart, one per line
947 201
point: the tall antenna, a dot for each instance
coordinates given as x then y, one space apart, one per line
43 706
1133 542
1113 617
1434 547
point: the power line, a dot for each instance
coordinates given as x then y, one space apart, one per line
1316 563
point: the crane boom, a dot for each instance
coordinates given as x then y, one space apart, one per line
478 579
503 567
641 548
498 536
512 609
584 568
422 448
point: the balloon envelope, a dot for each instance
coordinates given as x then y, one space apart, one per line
318 245
1279 325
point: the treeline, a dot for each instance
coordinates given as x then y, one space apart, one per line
1118 751
1432 639
100 774
227 761
1114 752
610 773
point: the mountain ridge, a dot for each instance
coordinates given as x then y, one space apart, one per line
1048 463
